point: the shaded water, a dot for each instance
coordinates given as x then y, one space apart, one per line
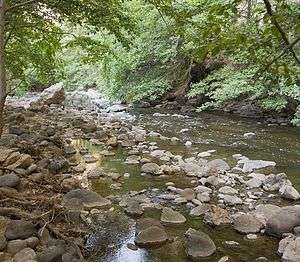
221 133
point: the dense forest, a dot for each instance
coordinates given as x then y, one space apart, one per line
211 53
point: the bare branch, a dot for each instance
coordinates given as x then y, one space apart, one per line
279 28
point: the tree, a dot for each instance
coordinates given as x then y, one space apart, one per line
31 30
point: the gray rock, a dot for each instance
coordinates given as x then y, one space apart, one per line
231 200
19 229
203 197
216 166
200 210
283 221
169 216
151 236
252 165
228 190
254 183
88 199
151 168
274 182
249 135
54 94
203 189
246 224
266 211
289 192
25 255
51 254
134 209
15 246
292 251
9 180
199 245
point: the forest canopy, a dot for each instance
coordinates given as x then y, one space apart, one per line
220 51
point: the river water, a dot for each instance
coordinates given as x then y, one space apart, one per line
223 133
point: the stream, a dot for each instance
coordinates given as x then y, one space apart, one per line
222 133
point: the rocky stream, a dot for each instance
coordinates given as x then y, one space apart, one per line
85 179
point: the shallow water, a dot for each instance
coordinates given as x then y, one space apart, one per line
221 133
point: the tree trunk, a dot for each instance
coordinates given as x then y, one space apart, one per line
3 93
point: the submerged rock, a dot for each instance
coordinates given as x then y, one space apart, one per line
87 198
199 245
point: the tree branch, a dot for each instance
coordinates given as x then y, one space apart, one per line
8 9
279 28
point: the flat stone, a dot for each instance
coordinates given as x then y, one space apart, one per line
246 224
151 236
199 245
169 216
200 210
88 199
252 165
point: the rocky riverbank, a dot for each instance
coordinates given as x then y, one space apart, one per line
48 208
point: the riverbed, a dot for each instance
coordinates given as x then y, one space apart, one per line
222 133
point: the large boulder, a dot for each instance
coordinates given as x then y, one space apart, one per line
54 94
283 221
86 198
19 229
151 168
199 245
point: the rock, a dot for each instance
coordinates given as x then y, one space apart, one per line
9 180
24 162
134 209
151 236
70 183
203 189
70 150
116 108
32 242
188 194
231 200
252 165
203 197
275 182
169 216
292 251
19 229
51 254
224 259
199 245
15 246
249 135
3 242
145 223
151 168
283 221
216 166
132 246
200 210
284 242
25 255
88 199
228 190
266 211
188 144
246 224
113 142
89 159
217 216
95 173
254 183
58 164
204 154
289 192
54 94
